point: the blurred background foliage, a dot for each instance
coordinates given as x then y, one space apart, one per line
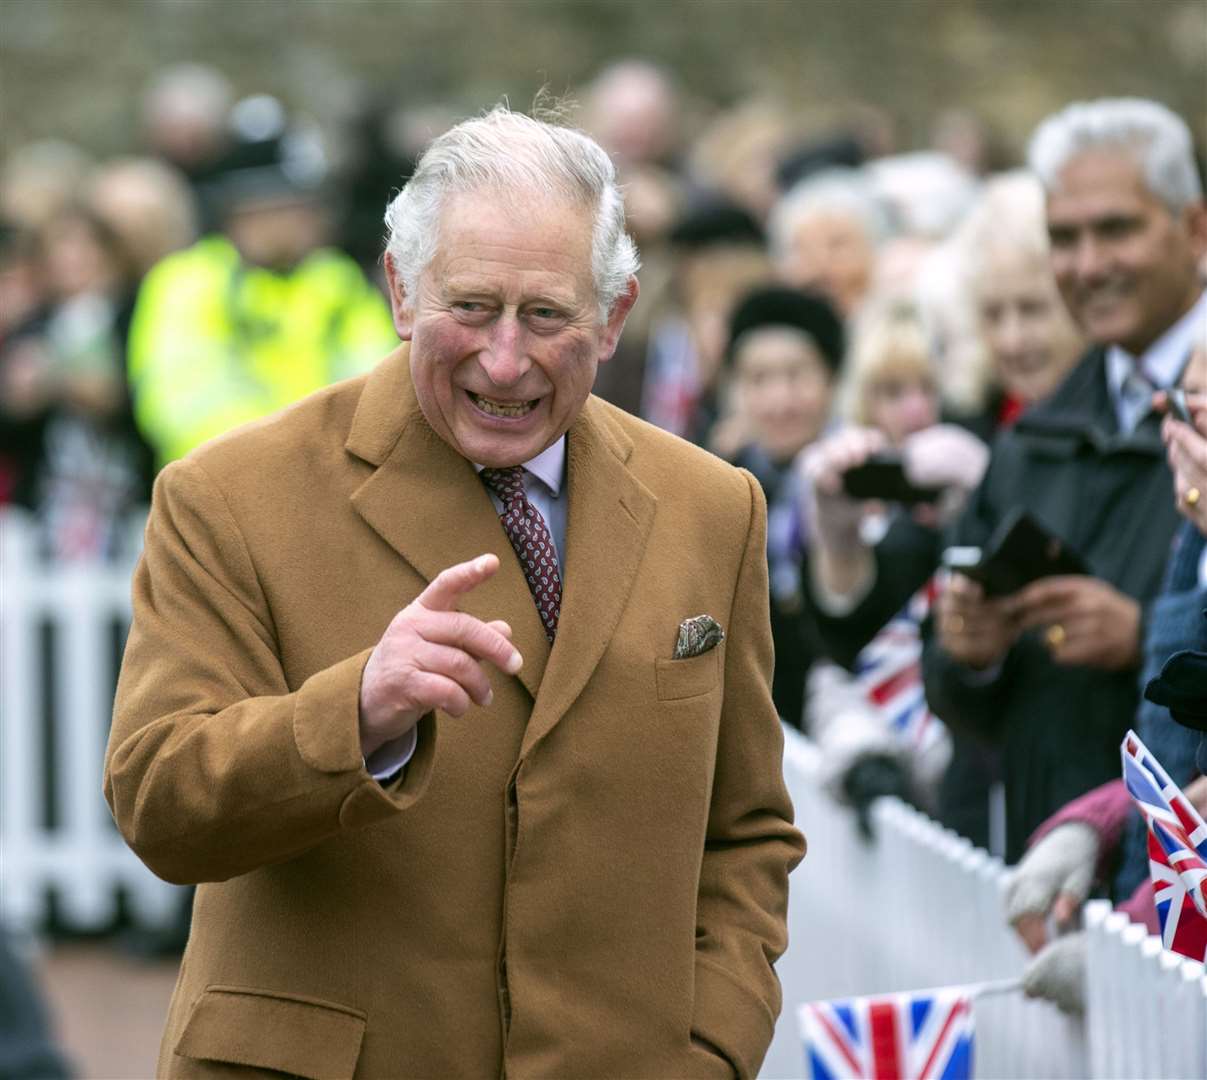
75 68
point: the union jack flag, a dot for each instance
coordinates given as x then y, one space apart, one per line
1177 850
889 669
894 1037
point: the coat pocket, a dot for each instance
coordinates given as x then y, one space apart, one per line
690 677
286 1033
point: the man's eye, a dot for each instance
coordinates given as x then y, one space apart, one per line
468 306
545 313
1113 228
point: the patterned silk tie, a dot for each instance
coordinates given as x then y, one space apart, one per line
529 535
1137 396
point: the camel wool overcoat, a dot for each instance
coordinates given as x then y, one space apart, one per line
588 878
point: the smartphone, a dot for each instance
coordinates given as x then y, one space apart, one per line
1021 551
882 476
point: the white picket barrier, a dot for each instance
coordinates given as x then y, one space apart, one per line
921 907
918 908
55 829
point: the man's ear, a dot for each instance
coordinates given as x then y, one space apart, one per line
400 306
616 319
1196 223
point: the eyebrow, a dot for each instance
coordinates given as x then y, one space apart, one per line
454 288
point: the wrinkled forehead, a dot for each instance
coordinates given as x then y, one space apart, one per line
525 203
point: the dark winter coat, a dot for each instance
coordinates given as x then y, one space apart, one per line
1109 495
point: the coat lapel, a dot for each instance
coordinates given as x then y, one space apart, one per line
608 524
427 503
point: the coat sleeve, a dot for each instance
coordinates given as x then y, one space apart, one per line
969 701
751 845
905 559
216 765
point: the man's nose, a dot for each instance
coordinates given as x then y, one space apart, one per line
1090 257
504 359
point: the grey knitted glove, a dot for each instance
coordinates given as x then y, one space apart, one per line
1057 974
1053 879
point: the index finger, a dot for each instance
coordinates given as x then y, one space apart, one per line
455 581
1059 589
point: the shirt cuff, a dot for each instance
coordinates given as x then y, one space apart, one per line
391 758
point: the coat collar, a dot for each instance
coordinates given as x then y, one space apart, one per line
426 502
1081 410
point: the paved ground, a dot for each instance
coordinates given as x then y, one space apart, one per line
109 1008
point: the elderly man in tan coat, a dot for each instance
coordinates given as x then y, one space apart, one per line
449 685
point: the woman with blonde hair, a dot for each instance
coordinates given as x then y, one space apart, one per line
1030 340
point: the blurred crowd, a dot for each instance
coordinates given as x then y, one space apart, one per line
228 262
955 326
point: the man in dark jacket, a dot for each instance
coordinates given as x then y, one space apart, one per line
1049 673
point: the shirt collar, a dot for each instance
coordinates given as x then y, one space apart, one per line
1162 362
548 466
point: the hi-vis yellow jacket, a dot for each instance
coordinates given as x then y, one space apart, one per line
215 342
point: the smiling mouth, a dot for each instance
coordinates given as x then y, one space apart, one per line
502 408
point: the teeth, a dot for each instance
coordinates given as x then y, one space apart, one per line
499 408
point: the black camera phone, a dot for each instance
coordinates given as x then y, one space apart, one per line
1020 551
882 476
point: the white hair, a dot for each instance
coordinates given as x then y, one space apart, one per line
1008 217
927 193
837 191
1154 136
515 155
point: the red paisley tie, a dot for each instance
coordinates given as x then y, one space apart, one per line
529 535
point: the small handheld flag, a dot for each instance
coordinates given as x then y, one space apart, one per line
1177 850
908 1036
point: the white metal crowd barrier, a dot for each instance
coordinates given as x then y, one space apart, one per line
921 907
918 908
60 626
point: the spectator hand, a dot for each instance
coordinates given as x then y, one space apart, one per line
1054 878
869 778
836 516
1186 448
945 456
973 629
1057 974
1196 794
1084 620
431 657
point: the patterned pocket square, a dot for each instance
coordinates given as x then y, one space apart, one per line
697 635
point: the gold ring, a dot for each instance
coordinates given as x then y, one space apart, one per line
1055 636
955 623
1192 497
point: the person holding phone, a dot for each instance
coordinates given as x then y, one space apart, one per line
1185 434
785 351
884 484
1049 673
1069 853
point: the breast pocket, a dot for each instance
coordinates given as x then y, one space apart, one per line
689 677
280 1033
